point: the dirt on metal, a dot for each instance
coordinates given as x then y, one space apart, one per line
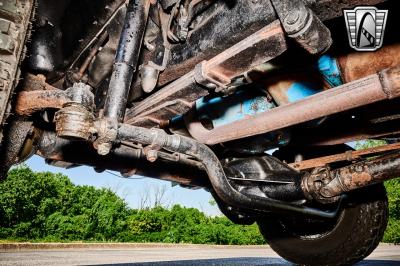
29 102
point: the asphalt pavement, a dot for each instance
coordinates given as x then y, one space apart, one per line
165 255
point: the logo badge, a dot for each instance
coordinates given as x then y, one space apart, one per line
365 27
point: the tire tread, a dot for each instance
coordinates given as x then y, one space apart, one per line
360 241
15 16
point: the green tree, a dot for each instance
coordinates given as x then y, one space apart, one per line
392 233
27 199
46 206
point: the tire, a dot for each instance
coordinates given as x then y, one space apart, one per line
348 239
15 16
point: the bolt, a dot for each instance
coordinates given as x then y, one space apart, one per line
359 168
104 148
149 78
152 155
292 17
325 192
82 86
211 86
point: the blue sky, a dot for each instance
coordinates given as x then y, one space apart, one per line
132 190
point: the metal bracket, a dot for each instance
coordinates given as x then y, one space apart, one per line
217 73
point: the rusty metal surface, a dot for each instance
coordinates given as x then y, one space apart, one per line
245 55
357 65
185 56
374 88
29 102
154 111
346 156
356 136
178 97
37 95
218 179
92 54
36 82
221 26
174 99
325 184
126 59
74 121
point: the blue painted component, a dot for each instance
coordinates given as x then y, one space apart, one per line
329 68
301 90
225 110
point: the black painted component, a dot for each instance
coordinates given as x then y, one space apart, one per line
237 216
223 25
127 160
220 26
15 147
274 178
126 59
46 51
260 143
63 29
219 181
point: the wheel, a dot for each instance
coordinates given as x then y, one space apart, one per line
349 238
15 16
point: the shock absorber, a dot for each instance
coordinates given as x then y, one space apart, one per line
125 64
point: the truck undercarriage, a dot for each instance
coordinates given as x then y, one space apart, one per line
252 100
